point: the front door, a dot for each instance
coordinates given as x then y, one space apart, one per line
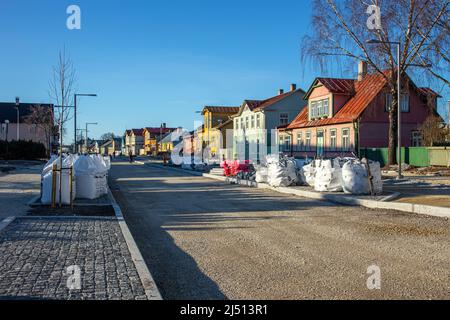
320 141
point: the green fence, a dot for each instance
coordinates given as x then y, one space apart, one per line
417 156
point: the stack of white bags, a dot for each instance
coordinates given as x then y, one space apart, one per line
281 172
89 178
351 175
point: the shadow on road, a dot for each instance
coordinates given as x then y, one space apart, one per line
156 201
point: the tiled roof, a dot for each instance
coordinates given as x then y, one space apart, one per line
221 109
138 132
159 130
365 91
334 85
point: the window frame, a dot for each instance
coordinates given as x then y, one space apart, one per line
333 138
344 137
299 141
283 116
308 137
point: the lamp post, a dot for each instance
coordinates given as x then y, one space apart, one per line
86 142
75 115
18 117
7 127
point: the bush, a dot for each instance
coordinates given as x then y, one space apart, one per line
22 150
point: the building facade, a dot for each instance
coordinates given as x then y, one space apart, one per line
255 125
346 115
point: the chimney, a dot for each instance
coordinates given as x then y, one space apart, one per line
280 92
362 70
293 87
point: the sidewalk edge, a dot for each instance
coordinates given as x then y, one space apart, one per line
151 290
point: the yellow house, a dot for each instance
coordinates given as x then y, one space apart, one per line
216 122
152 135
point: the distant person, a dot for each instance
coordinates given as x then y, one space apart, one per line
130 154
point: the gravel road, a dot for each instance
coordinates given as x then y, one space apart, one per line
203 239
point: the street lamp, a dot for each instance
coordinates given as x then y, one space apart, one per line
75 115
18 117
86 142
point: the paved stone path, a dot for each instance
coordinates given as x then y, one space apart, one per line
35 254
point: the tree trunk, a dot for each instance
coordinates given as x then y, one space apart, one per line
392 149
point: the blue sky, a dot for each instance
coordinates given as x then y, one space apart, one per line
155 61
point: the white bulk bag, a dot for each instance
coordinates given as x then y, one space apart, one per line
281 172
91 177
328 176
47 179
262 174
309 172
377 182
355 178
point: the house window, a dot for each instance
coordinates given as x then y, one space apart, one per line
333 139
325 108
313 109
308 140
319 109
258 121
345 139
236 124
405 102
246 123
299 141
242 124
284 119
253 122
416 139
287 143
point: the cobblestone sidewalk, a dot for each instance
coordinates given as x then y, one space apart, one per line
35 254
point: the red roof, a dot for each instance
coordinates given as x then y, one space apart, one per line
159 130
365 91
221 109
138 132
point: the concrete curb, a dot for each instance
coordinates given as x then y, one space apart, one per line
151 290
6 222
386 203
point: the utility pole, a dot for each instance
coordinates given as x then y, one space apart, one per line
75 115
18 117
86 142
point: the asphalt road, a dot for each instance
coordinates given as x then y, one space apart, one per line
203 239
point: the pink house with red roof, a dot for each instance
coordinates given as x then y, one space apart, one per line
344 116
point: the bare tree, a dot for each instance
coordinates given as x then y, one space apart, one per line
433 131
61 89
108 136
43 118
339 35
